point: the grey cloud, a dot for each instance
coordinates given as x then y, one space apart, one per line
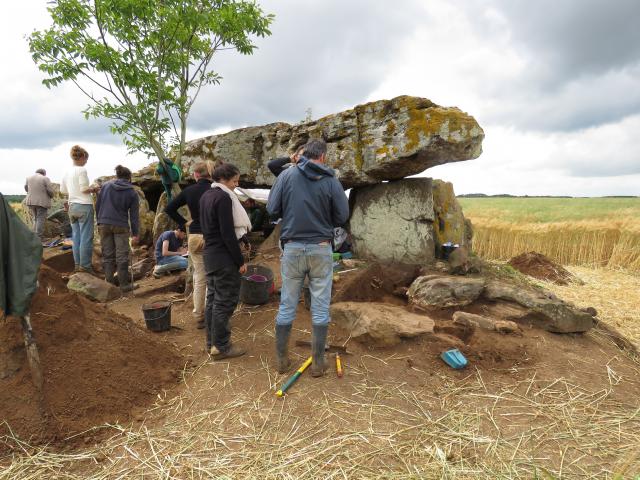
326 56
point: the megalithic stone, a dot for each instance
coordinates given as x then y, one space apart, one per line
371 143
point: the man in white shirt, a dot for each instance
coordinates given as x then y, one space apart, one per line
76 185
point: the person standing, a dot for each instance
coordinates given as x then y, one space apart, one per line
190 197
224 222
311 202
39 194
75 185
279 165
118 213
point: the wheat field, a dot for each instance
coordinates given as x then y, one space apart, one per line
596 232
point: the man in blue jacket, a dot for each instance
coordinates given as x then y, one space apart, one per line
117 209
311 202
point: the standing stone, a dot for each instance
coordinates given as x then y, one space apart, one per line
147 218
449 224
393 222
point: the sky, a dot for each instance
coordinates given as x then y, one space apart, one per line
554 84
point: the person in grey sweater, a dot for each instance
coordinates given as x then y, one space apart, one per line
39 194
311 202
117 209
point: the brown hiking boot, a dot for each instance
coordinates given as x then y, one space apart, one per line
233 352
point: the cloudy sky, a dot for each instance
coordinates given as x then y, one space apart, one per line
554 84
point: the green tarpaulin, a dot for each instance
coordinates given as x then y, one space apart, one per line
20 256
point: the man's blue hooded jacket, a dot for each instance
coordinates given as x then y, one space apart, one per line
311 202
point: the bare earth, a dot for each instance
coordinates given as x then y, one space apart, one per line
540 404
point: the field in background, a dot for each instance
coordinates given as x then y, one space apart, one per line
597 232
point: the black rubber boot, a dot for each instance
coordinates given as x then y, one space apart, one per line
109 273
124 278
282 347
318 343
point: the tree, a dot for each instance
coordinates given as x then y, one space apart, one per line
142 63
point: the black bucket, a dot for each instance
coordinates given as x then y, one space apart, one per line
157 316
256 285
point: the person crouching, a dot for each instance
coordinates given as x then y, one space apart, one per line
224 222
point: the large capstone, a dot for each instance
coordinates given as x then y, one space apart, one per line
371 143
393 222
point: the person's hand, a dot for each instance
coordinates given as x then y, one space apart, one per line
294 157
182 250
243 269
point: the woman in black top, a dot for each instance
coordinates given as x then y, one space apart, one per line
221 224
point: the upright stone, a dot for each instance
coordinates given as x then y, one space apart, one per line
393 222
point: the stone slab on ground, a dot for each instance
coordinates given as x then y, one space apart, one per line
478 321
436 291
554 314
393 222
92 287
379 323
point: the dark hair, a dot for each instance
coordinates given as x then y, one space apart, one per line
314 149
41 171
123 172
226 171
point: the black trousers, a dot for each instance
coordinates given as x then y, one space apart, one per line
223 293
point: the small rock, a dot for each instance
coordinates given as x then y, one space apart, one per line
435 291
379 323
93 287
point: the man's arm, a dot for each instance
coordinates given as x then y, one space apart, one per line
340 205
49 187
172 209
134 214
224 209
276 166
99 202
168 253
274 203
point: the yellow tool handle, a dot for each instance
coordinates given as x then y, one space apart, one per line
339 370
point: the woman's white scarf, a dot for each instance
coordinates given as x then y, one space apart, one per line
241 221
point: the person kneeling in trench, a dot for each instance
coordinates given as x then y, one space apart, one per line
169 252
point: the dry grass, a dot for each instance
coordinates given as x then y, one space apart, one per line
591 243
614 293
473 430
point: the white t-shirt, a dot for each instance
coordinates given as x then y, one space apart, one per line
74 182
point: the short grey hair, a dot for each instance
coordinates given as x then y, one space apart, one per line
41 171
315 148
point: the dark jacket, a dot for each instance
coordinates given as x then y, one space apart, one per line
20 254
221 247
118 203
311 202
190 197
279 165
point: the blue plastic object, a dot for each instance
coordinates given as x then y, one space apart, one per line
454 359
347 255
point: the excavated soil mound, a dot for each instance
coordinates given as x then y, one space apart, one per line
97 366
538 266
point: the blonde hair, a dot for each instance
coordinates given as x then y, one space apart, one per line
202 169
78 153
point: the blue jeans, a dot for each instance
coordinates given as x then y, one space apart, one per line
174 262
300 260
81 218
